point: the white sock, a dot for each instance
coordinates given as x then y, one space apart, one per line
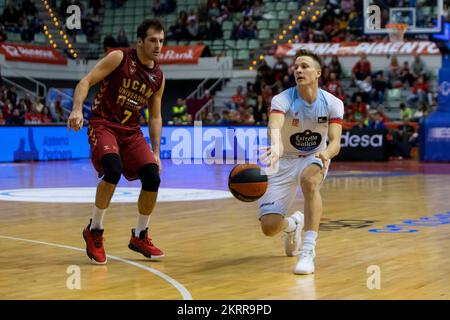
291 225
97 218
309 240
142 224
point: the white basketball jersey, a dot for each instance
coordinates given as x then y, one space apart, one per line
305 128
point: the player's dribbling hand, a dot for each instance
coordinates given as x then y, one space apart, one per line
75 120
325 159
269 156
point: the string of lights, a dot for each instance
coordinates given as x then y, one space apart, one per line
283 34
57 24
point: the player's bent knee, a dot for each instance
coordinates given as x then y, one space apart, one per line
112 167
149 176
270 224
310 184
269 231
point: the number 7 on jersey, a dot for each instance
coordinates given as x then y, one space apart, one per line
128 114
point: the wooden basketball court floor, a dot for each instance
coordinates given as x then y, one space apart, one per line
215 249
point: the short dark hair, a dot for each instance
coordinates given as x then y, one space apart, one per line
308 53
148 24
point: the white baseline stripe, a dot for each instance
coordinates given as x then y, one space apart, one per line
121 195
184 292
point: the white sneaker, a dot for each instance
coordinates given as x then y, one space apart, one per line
294 239
305 262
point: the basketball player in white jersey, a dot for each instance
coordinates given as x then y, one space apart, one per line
305 127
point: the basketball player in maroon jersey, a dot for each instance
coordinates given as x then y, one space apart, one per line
132 80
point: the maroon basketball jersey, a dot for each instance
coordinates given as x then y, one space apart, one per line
126 90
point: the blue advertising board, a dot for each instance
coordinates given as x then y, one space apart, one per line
42 143
184 144
435 140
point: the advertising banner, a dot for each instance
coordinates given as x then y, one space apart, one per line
189 144
357 48
32 143
363 145
178 54
435 142
31 53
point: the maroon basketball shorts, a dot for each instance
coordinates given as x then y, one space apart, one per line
129 143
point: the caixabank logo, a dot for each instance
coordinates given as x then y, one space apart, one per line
411 226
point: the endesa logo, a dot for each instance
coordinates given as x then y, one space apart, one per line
364 141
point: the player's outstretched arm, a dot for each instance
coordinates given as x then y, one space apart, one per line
155 122
274 152
101 70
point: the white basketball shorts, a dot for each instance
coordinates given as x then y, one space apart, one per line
282 185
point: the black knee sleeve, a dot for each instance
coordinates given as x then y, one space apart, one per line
112 167
149 175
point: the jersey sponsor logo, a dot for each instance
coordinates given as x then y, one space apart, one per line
152 78
135 85
322 119
364 141
306 140
132 67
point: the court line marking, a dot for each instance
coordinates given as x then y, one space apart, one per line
121 195
184 292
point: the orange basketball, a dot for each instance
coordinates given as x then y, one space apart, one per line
247 182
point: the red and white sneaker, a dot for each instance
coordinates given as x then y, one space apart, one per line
94 244
143 244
